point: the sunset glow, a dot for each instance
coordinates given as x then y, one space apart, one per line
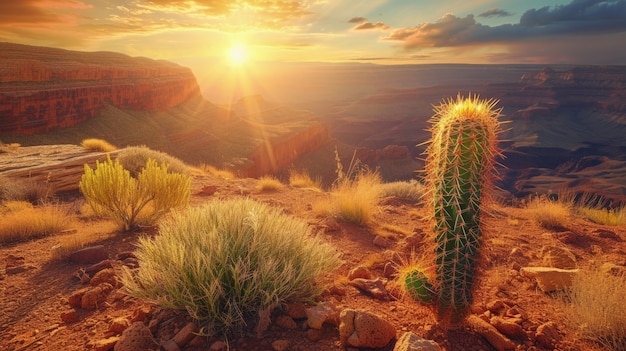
238 54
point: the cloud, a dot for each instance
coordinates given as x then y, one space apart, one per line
495 12
371 26
580 17
25 12
357 19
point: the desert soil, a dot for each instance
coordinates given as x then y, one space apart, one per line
34 289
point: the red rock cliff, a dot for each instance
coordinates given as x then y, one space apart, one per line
43 88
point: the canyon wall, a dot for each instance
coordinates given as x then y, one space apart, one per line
46 88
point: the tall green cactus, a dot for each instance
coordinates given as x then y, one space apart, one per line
459 173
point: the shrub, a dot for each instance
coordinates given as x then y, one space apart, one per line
302 179
410 191
215 172
595 306
17 189
97 145
112 192
356 200
23 222
269 183
549 213
227 261
135 158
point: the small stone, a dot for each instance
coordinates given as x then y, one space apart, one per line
105 344
280 345
318 315
92 254
410 341
95 268
510 329
285 322
359 272
489 332
218 346
296 310
188 332
170 345
104 276
95 297
136 337
118 325
359 328
374 288
75 300
495 305
143 314
197 341
314 335
381 242
548 335
550 279
390 270
69 316
558 257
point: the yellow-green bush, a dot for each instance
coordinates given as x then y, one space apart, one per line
227 261
605 216
112 192
135 158
97 145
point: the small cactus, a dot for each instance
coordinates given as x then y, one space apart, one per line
459 174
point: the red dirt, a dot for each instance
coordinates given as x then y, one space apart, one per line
33 299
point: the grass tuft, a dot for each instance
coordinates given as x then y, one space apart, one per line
227 261
97 145
215 172
604 216
549 213
269 183
356 200
410 191
595 307
302 179
23 222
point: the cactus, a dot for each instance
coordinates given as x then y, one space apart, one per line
459 173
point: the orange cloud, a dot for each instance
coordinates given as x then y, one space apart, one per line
36 11
371 26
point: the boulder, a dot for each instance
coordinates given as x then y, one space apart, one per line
410 341
550 279
136 337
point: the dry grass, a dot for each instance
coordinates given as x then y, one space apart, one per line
356 200
595 307
216 172
17 189
604 216
31 222
135 158
269 183
302 179
88 235
394 229
97 145
549 213
410 191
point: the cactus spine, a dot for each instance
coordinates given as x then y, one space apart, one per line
459 172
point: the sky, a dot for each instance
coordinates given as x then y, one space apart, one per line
372 31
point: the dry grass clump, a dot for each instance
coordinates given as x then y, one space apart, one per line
356 200
23 222
216 172
595 307
135 158
549 213
605 216
97 145
228 262
302 179
410 191
72 242
269 183
17 189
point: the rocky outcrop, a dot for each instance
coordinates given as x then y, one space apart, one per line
45 88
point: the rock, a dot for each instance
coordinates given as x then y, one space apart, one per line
285 322
95 297
410 341
489 332
508 328
75 300
550 279
184 336
207 190
359 272
390 271
92 254
142 314
548 335
314 335
119 324
170 345
280 345
558 257
69 316
374 288
104 276
296 310
382 242
95 268
495 305
136 337
318 315
218 346
363 329
105 344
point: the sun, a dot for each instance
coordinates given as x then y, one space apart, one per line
238 54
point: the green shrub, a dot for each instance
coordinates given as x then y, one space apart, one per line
227 261
97 145
410 191
112 192
135 158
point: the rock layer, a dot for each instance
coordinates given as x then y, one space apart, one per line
44 88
